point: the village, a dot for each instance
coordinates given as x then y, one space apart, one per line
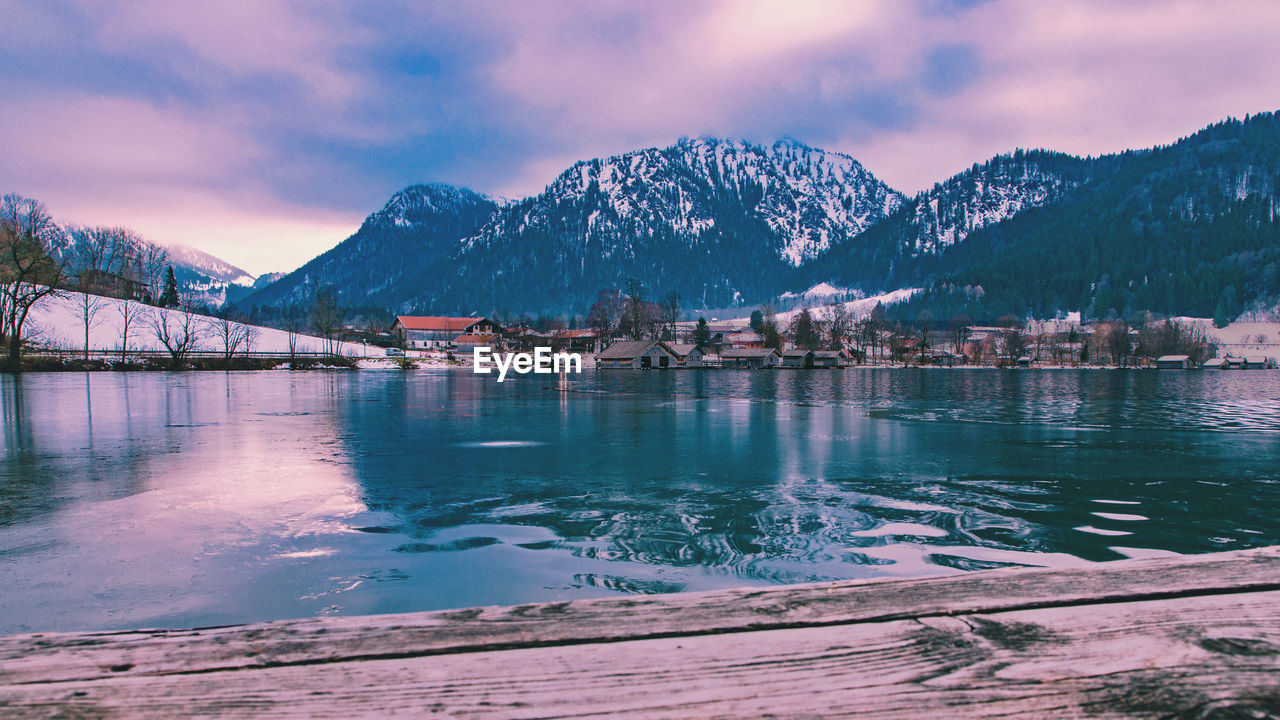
809 342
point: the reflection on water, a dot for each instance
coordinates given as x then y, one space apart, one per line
194 499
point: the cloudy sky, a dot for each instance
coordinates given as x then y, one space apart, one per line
265 131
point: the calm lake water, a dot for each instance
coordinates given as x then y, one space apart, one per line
132 500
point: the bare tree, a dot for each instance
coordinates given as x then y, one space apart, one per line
839 326
606 313
131 313
769 329
671 314
231 335
88 308
178 329
152 261
251 333
292 328
31 268
327 315
636 316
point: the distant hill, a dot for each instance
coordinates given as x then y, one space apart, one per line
1191 228
403 255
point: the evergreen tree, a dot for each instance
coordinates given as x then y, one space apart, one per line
169 296
804 331
702 333
757 320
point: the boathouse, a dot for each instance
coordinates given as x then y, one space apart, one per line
830 358
639 354
688 354
1215 364
753 358
1174 362
798 358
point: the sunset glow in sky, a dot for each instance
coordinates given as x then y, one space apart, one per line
264 132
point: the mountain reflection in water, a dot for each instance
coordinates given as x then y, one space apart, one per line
195 499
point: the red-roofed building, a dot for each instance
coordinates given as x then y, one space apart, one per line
424 332
467 343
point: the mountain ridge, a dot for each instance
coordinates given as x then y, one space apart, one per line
727 222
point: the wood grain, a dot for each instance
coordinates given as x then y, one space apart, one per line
1187 636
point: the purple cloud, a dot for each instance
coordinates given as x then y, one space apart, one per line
264 131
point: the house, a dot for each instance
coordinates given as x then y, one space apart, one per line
798 358
744 339
830 358
942 358
471 341
1215 364
430 332
1174 362
527 340
690 355
582 341
753 358
101 282
641 354
1256 362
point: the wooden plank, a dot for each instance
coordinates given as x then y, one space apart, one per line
1202 656
41 658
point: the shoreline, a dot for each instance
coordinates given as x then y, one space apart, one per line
43 364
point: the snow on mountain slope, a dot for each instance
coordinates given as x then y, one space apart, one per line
987 194
217 269
857 308
809 198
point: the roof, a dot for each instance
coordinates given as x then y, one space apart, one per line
681 349
473 338
1173 358
747 352
571 334
829 353
796 353
1255 359
1215 362
436 322
628 349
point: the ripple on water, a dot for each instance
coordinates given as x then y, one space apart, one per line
499 444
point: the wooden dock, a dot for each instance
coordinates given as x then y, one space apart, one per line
1183 637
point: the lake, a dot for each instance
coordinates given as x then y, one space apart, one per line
193 499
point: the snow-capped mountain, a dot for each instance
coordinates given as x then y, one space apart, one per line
987 194
213 268
716 221
211 279
725 223
808 198
906 245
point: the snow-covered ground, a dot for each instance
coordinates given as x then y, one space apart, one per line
58 322
1241 338
857 308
